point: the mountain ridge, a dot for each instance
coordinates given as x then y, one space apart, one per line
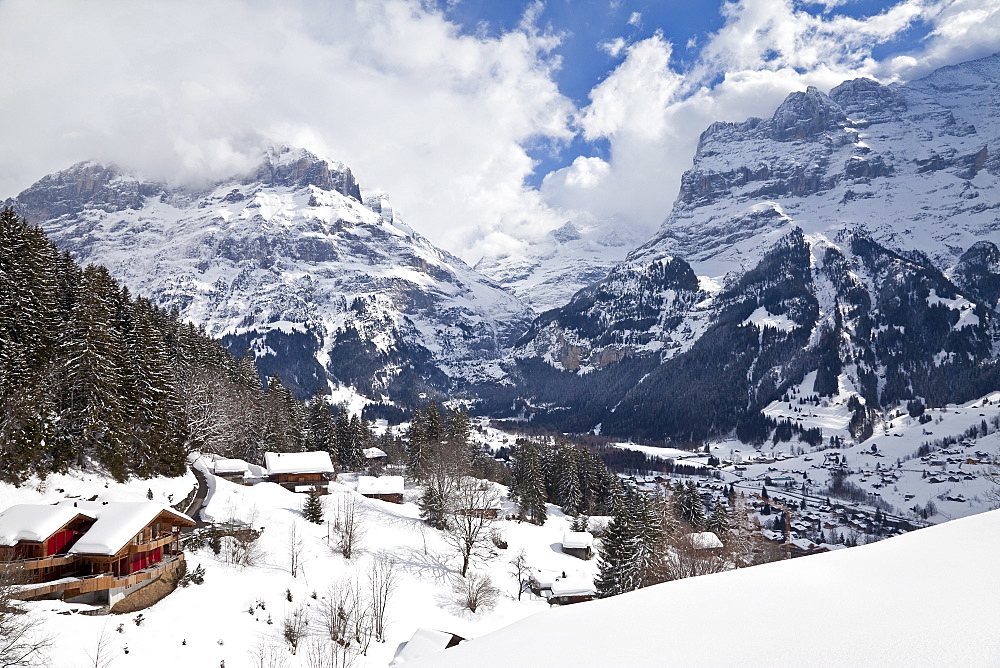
324 284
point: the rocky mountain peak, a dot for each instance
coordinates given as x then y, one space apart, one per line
567 232
868 100
297 168
84 185
804 115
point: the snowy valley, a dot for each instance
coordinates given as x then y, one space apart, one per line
804 359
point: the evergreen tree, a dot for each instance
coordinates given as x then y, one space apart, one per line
625 556
567 479
528 485
92 421
718 521
433 506
312 508
319 430
690 506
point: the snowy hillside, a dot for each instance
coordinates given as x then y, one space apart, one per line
324 283
239 611
852 235
917 600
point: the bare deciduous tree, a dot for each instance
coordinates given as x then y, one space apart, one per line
521 572
102 655
267 654
476 591
243 550
319 652
686 558
346 622
295 626
295 548
348 529
383 578
21 644
470 520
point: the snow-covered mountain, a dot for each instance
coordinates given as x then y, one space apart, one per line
564 261
851 234
324 283
914 164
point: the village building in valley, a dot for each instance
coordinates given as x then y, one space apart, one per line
89 551
308 472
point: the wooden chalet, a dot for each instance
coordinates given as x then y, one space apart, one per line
233 470
579 544
307 472
375 459
565 591
385 488
704 542
89 551
487 513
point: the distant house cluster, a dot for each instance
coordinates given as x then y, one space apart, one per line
311 473
89 551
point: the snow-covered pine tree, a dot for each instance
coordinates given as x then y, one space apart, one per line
567 478
92 421
689 504
528 484
360 436
718 520
650 533
319 432
344 438
621 555
416 447
433 505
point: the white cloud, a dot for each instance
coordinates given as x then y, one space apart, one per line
635 19
613 47
194 91
442 121
587 172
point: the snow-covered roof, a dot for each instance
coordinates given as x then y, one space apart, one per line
35 522
298 462
544 579
423 642
231 466
578 539
374 453
704 540
387 484
117 523
573 586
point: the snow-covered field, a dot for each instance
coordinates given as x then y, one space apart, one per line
871 595
204 625
928 598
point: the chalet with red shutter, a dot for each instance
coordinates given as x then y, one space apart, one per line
89 552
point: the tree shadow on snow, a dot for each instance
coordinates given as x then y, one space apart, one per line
423 566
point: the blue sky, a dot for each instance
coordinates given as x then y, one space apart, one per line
488 122
586 27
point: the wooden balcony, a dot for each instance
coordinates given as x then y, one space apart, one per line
151 545
76 586
36 564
